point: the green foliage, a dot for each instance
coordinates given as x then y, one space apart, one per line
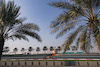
6 49
45 48
76 13
37 49
13 27
15 50
30 49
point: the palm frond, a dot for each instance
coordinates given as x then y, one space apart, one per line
25 29
60 22
29 33
74 10
17 36
87 3
62 19
55 29
29 26
12 24
10 13
83 39
54 24
62 5
89 6
64 30
11 27
64 22
71 38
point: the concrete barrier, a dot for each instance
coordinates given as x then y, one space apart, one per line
9 63
92 63
83 63
36 62
50 62
2 63
98 63
29 63
15 63
43 62
77 63
22 63
72 63
59 63
69 63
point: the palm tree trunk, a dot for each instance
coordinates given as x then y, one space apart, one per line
1 46
45 52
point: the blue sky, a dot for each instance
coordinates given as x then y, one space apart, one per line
40 13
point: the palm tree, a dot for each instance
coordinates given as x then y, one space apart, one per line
82 17
6 49
45 49
74 48
30 49
37 49
59 49
51 48
15 50
13 27
23 49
